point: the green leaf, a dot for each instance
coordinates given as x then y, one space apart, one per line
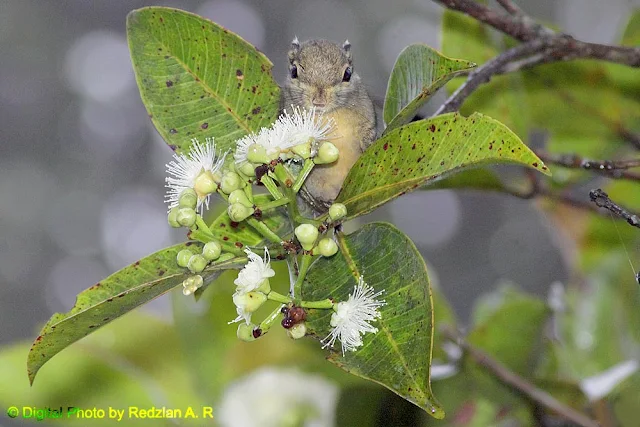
473 179
198 79
114 296
417 74
398 356
428 150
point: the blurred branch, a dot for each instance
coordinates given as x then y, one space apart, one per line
540 46
615 169
510 378
602 200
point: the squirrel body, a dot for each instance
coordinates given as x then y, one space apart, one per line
321 76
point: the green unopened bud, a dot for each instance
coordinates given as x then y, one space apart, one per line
186 217
257 154
303 150
307 235
327 153
239 196
327 247
188 290
230 181
197 263
193 281
246 169
188 199
238 212
183 257
250 301
297 331
337 211
211 251
245 332
205 184
173 217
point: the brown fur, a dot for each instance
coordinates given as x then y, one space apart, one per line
321 65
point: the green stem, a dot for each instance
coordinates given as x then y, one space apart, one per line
325 304
202 226
223 258
262 228
302 176
201 236
227 247
266 324
275 296
248 191
224 196
304 267
284 176
271 186
273 204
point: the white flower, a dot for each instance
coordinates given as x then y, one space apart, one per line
269 397
288 131
254 272
185 169
351 318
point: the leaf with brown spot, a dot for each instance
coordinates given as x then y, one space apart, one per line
417 74
398 356
118 294
209 69
455 144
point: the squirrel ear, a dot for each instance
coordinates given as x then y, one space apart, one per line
346 47
295 48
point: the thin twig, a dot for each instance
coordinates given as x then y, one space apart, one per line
615 169
520 384
510 7
602 200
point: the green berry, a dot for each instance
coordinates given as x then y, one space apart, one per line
230 181
173 217
245 332
239 196
238 212
183 257
197 263
297 331
211 251
327 247
327 153
307 235
186 217
188 199
337 211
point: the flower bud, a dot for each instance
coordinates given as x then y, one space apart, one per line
211 251
327 247
230 181
197 263
188 199
193 281
188 290
238 212
245 332
303 150
297 331
257 154
239 196
307 235
205 184
327 153
183 257
173 217
247 169
337 211
250 301
186 217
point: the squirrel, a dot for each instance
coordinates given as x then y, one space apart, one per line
321 76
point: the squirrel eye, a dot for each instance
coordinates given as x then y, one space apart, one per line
294 72
347 75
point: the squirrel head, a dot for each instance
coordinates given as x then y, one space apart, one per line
321 75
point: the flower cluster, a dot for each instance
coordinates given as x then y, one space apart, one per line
252 285
300 135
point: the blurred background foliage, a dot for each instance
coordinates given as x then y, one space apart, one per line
544 288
